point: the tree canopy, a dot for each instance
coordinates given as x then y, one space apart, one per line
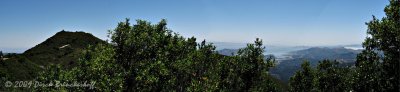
150 57
379 63
377 67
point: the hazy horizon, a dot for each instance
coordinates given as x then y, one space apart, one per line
224 45
278 23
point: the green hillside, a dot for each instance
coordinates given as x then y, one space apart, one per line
63 48
18 67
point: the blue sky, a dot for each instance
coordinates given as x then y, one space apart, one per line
26 23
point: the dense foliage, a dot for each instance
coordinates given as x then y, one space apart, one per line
328 76
377 68
147 57
151 57
381 71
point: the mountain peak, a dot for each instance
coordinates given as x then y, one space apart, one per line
62 48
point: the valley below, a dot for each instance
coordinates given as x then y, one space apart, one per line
290 58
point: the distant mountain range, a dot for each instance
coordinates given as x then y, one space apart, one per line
228 52
289 62
65 48
287 67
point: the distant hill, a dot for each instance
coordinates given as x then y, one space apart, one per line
227 45
228 52
62 48
290 58
277 51
287 67
320 53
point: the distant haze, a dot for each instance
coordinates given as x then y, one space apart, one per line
25 24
